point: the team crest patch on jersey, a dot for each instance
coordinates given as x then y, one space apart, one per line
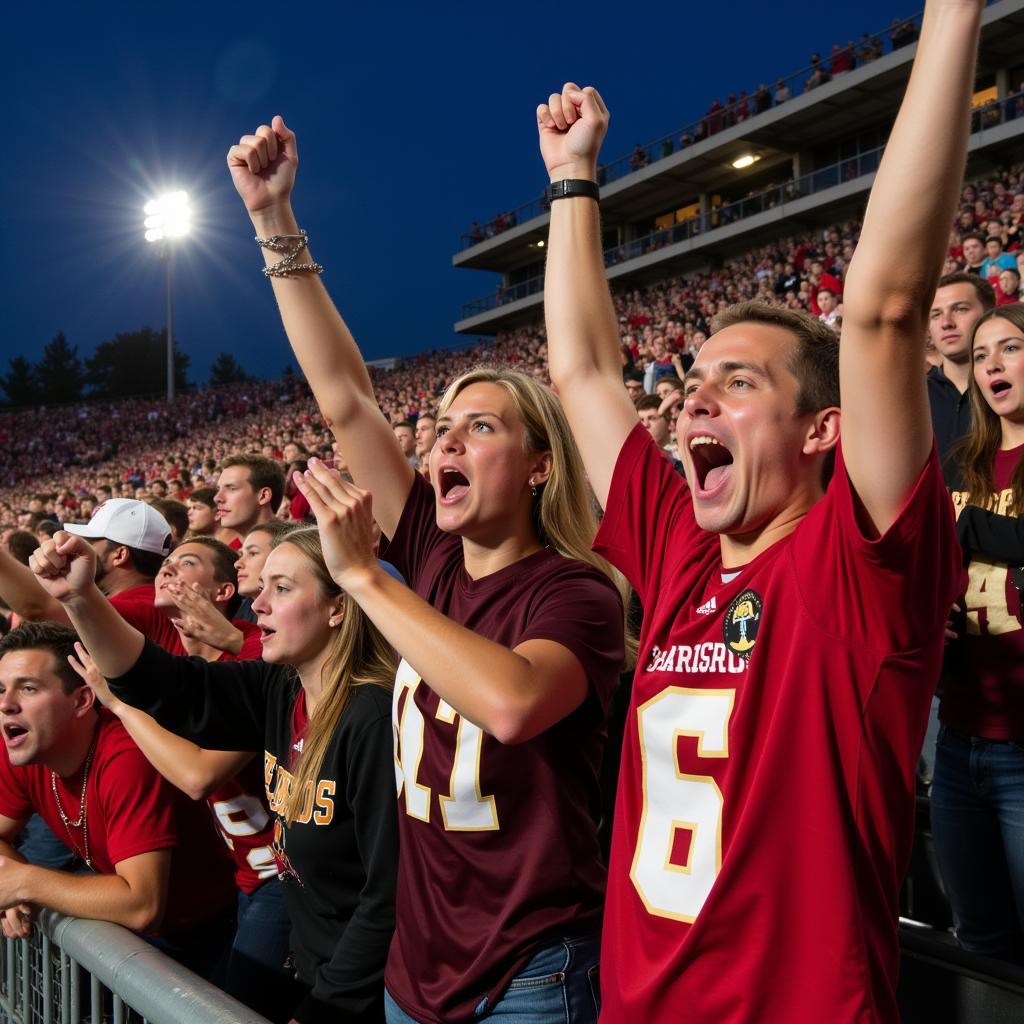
741 622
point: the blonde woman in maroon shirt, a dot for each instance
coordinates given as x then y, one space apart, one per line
511 635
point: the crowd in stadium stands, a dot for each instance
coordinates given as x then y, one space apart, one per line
49 459
187 532
736 109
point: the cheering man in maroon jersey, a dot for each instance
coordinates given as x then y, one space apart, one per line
793 629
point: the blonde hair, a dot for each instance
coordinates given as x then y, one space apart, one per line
564 517
359 656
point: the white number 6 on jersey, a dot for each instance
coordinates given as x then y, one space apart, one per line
675 801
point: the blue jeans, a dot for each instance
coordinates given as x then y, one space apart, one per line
255 972
40 846
559 985
978 824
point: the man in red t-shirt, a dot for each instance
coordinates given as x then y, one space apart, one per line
157 866
131 540
793 631
196 589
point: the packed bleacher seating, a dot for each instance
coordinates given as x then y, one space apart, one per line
70 451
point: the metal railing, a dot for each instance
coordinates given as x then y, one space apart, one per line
73 971
902 32
983 117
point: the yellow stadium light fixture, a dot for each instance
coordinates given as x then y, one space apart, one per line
747 160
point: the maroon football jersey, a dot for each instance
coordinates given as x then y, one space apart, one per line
498 844
984 695
240 811
766 798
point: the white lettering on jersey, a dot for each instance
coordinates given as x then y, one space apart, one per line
708 607
698 659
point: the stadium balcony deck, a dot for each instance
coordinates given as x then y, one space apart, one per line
867 96
824 196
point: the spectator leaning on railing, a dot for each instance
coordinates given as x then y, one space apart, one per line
155 864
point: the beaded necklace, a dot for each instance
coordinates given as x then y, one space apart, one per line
83 821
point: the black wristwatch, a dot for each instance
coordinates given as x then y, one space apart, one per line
569 187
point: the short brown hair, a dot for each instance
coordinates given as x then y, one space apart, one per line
815 360
47 636
263 472
224 558
985 292
205 496
647 402
174 512
276 528
21 544
224 571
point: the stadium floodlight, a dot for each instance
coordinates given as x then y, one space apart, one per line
168 217
746 160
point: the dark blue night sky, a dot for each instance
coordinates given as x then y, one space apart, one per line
413 120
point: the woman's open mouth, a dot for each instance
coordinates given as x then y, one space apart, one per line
452 485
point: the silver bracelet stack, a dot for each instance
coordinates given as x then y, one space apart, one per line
291 246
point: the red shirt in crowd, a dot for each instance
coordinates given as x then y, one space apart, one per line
130 810
240 813
983 692
137 609
766 798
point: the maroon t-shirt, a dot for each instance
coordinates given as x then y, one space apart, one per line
499 852
130 810
984 696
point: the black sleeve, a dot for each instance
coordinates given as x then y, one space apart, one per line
220 705
987 533
352 981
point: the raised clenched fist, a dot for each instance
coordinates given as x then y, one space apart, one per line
572 126
263 166
65 565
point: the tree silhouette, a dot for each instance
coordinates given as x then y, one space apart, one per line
21 383
59 373
134 363
226 369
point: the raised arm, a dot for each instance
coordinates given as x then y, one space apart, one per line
219 706
582 332
263 169
65 567
197 772
886 427
21 592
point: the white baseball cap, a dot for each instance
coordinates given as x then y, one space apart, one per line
127 521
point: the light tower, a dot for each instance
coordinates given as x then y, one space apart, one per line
168 218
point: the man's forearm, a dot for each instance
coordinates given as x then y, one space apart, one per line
21 592
99 897
115 646
913 199
578 308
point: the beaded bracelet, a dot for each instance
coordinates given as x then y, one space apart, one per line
286 266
